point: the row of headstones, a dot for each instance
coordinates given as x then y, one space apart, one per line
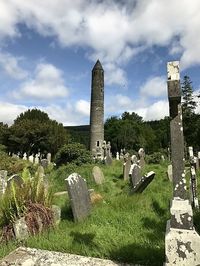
36 159
5 180
79 194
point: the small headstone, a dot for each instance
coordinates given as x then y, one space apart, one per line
97 175
108 159
79 196
191 154
141 154
196 163
136 175
117 156
126 168
169 172
3 181
144 182
134 159
40 171
49 157
56 214
25 156
21 229
44 163
16 179
162 158
36 159
31 158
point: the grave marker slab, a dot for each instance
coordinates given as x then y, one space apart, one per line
79 196
3 181
143 183
126 168
169 172
97 175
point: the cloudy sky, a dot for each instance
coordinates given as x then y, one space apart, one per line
48 48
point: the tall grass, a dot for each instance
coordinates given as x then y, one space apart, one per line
122 227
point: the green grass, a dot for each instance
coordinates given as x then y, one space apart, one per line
122 227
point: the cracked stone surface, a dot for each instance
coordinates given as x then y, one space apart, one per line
36 257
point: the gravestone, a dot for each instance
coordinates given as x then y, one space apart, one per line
108 159
169 172
182 243
97 175
16 179
36 159
117 156
193 188
3 181
31 158
144 181
40 171
25 156
134 159
44 163
79 196
126 167
49 157
135 175
141 154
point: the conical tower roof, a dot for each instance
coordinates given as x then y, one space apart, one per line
97 65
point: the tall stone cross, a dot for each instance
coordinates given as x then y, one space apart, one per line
182 243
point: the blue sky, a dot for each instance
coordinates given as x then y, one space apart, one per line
48 49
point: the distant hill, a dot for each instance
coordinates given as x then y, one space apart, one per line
80 134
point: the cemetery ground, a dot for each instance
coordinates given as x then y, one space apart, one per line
122 227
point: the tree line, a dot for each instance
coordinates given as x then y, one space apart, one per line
34 131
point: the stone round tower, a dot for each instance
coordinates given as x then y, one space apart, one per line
97 110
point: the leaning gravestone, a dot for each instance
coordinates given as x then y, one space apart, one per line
3 182
136 175
79 196
143 183
97 175
126 168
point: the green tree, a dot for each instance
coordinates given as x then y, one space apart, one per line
188 103
34 131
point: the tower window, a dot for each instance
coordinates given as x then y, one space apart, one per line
97 143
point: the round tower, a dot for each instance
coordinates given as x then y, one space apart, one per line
97 110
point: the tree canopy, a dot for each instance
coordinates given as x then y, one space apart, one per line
34 131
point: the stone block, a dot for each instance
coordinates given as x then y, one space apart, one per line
144 182
21 229
182 247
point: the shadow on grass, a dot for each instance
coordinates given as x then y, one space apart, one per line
140 254
85 238
66 213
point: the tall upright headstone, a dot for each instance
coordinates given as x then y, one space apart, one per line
182 243
97 109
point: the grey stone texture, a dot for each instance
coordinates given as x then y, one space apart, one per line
79 196
176 131
136 175
44 163
182 243
97 175
141 154
183 247
97 107
16 179
108 159
193 188
56 214
36 257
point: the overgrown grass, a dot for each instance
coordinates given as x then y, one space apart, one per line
122 227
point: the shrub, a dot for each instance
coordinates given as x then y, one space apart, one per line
19 200
154 158
73 153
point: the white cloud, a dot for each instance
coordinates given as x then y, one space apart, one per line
83 107
10 65
9 112
47 84
155 111
115 30
154 87
115 75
